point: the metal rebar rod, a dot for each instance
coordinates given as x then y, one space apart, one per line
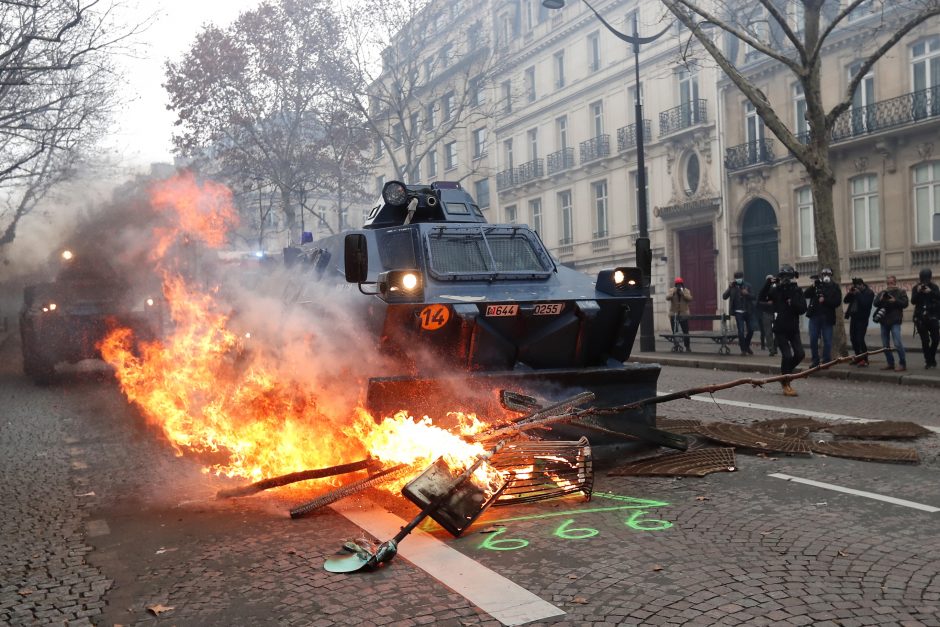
294 477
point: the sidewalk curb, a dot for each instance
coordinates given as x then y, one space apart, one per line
843 371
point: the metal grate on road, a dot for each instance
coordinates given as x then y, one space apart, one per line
756 439
687 464
682 426
866 451
883 429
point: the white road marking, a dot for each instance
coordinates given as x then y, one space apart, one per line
504 600
790 410
868 495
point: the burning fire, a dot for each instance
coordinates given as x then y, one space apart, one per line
209 395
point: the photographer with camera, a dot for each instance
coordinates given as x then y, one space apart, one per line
740 299
679 298
823 297
859 298
926 298
785 298
889 306
766 318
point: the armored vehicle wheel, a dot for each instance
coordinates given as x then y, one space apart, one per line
37 369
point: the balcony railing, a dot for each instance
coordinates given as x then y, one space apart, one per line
561 160
751 153
683 116
861 262
529 171
906 109
505 179
626 136
595 148
921 257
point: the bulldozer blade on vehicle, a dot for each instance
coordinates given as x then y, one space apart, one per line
483 393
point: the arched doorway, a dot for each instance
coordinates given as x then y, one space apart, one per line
759 246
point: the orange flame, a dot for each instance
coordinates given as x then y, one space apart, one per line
211 396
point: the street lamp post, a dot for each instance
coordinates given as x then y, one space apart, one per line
644 255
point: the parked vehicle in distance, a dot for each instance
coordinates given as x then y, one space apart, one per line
64 320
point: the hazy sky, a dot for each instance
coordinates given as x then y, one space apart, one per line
143 127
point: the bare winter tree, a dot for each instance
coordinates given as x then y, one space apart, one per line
57 90
795 33
255 102
432 82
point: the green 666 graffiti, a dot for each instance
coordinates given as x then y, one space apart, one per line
639 519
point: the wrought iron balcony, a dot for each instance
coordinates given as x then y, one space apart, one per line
684 116
907 109
529 171
505 179
626 136
561 160
751 153
595 148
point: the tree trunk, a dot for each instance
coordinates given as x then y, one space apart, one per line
827 244
288 210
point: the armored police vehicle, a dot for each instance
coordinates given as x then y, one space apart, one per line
64 320
479 313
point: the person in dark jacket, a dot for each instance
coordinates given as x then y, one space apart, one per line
786 300
766 317
740 299
925 297
892 301
823 298
859 298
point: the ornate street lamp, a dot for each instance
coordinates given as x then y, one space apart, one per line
644 255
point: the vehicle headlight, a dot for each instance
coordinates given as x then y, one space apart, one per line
619 280
49 307
149 302
395 193
401 284
67 255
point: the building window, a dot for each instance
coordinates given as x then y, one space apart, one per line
561 132
530 83
477 93
599 191
865 212
532 139
450 155
446 54
432 164
597 117
754 132
378 148
507 153
804 215
415 120
559 69
925 68
479 143
800 123
692 174
510 214
927 202
862 101
567 221
688 96
428 69
482 192
431 117
862 10
535 214
397 134
507 96
379 184
448 105
594 51
416 173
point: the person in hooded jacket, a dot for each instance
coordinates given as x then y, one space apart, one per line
679 297
823 298
740 299
859 298
786 300
892 301
925 297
